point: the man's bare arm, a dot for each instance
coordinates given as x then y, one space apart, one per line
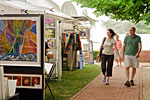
139 50
123 50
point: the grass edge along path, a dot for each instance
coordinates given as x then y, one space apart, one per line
72 82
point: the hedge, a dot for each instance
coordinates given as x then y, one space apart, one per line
95 54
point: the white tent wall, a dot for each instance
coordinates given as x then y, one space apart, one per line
68 8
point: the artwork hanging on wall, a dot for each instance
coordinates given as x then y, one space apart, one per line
26 80
49 22
20 40
85 47
83 33
51 43
50 33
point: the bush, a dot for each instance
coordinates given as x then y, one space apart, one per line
95 54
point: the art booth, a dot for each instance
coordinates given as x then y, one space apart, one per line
84 32
71 44
24 29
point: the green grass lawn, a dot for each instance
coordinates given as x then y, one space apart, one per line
72 82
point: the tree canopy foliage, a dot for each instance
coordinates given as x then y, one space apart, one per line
131 10
124 26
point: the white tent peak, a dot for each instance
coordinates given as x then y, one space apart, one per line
68 8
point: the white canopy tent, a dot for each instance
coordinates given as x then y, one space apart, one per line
20 8
16 7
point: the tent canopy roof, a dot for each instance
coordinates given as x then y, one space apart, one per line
31 7
22 5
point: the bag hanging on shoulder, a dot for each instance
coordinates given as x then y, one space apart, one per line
102 47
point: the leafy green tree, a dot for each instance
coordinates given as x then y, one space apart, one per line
131 10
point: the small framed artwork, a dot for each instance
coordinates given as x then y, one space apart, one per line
84 33
35 81
51 43
49 22
51 55
26 81
50 33
85 47
86 54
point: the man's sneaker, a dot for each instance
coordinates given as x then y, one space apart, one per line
127 83
132 83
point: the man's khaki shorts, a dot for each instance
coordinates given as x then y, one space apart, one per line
131 61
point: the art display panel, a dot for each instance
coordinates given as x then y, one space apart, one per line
26 80
50 37
20 41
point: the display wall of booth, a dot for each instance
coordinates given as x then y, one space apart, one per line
69 46
87 46
69 50
84 22
85 36
51 40
53 35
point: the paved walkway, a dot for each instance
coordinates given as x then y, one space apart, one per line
97 90
146 82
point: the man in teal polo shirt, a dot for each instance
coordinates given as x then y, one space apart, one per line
130 53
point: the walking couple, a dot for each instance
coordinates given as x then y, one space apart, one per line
130 53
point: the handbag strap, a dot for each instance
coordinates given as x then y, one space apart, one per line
104 40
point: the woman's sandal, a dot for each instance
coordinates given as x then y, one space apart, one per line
107 83
104 79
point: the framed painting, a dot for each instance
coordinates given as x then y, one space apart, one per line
85 47
84 33
50 33
51 43
20 41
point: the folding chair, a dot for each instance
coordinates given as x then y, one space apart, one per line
49 68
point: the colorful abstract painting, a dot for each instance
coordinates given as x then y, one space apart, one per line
18 40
